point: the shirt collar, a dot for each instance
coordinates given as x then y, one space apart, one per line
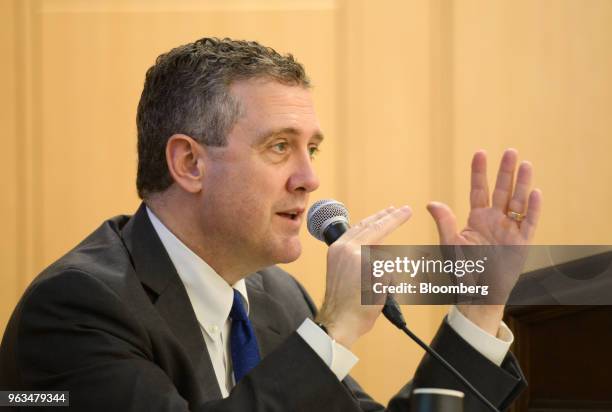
210 295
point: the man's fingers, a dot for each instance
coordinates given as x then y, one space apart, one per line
377 230
518 203
479 191
376 216
445 221
505 177
363 225
534 208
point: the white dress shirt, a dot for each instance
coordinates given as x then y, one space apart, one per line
211 298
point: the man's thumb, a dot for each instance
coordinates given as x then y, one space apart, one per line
445 221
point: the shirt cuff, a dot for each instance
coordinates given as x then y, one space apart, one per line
491 347
338 358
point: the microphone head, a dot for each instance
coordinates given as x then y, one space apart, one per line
324 213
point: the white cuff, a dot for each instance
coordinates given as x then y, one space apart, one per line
491 347
338 358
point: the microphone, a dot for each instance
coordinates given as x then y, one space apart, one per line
327 220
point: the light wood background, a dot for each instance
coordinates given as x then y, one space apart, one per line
406 91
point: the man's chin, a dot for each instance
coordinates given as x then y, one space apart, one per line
288 252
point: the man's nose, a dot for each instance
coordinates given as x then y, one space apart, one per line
304 177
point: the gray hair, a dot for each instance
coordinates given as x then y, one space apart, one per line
186 91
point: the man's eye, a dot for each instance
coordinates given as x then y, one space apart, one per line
313 151
280 147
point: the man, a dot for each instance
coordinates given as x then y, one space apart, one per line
180 307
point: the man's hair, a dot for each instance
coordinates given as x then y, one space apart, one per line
186 91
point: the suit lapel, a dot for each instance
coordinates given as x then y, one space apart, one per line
156 271
264 312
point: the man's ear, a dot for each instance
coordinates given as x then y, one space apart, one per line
184 158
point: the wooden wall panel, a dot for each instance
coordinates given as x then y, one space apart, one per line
537 76
388 155
9 167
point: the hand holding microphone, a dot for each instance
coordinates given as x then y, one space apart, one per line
342 313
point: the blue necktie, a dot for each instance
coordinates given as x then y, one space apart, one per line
243 343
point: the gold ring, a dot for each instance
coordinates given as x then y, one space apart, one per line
516 216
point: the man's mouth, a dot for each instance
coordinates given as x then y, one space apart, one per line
293 214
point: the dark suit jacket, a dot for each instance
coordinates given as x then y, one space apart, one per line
111 322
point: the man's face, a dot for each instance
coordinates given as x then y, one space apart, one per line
256 188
